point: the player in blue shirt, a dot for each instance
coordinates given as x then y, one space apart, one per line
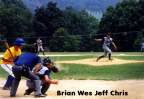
24 65
44 74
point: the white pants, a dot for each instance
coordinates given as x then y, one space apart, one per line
8 68
107 50
40 48
142 49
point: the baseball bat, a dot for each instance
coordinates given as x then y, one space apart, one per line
8 48
3 40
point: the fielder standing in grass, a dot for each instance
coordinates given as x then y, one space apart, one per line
107 42
142 46
39 46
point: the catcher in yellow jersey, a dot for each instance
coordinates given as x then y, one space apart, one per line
8 58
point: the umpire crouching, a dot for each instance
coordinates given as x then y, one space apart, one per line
24 65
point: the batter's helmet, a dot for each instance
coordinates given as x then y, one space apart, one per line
19 42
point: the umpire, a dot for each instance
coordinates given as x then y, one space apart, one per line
24 65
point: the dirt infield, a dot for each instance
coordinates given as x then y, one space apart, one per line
102 62
134 89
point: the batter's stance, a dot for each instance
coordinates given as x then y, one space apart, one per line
8 59
107 41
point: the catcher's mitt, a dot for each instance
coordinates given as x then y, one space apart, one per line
55 69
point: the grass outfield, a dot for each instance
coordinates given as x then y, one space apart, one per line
62 58
113 72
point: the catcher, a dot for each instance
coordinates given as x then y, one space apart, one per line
44 74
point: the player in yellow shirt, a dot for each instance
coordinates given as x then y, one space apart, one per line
8 58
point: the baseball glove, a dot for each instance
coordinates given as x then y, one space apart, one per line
55 69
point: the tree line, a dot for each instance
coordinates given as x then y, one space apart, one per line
73 30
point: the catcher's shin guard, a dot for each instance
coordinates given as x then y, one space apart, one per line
37 88
37 84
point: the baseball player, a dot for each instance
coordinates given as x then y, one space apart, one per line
23 66
44 74
40 46
142 47
107 41
8 58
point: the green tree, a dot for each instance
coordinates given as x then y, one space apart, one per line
62 41
124 17
72 43
83 25
48 20
58 39
127 16
139 39
15 18
80 22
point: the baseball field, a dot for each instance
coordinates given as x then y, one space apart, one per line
80 74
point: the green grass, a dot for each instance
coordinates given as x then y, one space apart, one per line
84 55
130 57
68 58
3 73
114 72
64 58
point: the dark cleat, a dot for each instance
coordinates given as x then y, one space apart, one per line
12 96
26 93
111 59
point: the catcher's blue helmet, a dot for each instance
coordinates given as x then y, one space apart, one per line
19 42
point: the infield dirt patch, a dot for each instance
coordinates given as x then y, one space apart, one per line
135 89
102 62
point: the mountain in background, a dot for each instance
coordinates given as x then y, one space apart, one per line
94 7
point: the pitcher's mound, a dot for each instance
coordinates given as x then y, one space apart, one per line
102 62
